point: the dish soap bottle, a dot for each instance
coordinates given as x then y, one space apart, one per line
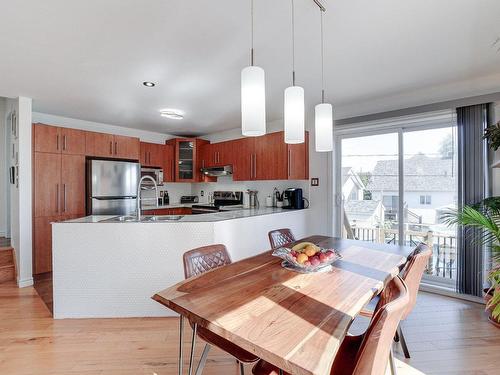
166 198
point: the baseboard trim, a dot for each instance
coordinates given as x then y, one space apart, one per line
24 283
450 293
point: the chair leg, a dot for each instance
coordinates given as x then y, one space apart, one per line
193 342
396 337
242 368
181 331
392 363
403 342
203 360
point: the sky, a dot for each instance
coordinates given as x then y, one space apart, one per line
362 153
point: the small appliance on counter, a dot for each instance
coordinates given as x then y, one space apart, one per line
253 199
155 173
293 199
166 198
222 201
189 199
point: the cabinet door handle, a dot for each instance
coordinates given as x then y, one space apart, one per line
116 148
255 166
64 142
251 166
64 198
218 157
289 162
111 148
57 197
57 142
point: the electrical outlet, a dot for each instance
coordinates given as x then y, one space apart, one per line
315 181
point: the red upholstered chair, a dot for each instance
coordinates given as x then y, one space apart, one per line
280 237
369 353
196 262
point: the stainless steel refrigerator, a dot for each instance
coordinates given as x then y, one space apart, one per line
112 187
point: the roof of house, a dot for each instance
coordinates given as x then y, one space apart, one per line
349 173
361 210
421 173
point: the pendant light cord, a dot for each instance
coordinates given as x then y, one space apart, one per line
293 44
251 32
322 60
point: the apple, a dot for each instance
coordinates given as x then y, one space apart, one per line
323 258
307 263
293 253
315 261
330 254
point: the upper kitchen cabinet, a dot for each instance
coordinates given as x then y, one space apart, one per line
126 147
168 163
298 160
270 160
217 154
58 140
151 154
243 159
112 146
185 159
204 158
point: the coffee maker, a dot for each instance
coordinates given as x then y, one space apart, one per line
293 199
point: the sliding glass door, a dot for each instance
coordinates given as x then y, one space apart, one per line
394 187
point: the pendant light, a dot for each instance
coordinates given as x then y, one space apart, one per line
253 96
323 113
294 102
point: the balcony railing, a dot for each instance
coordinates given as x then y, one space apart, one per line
443 245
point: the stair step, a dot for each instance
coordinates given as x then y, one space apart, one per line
6 257
7 273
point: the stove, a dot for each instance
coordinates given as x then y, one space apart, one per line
223 200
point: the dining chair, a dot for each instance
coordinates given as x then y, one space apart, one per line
369 353
197 262
280 237
412 275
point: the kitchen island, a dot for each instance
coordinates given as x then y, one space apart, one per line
104 268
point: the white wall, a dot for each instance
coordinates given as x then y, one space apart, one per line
3 167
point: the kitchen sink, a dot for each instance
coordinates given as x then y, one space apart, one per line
144 219
160 218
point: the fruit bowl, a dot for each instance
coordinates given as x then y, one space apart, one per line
307 257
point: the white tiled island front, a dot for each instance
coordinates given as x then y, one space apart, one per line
111 269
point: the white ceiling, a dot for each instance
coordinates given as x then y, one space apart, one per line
88 59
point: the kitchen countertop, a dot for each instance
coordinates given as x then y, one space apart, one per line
201 218
147 207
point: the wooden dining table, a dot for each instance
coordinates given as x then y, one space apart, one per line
293 320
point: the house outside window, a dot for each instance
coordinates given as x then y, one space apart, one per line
425 199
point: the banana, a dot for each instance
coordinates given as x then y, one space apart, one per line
301 246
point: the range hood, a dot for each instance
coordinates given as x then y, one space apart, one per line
226 170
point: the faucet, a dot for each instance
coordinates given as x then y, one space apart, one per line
138 199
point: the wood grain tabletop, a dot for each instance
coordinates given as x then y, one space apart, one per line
294 321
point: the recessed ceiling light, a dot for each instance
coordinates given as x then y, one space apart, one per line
173 114
149 84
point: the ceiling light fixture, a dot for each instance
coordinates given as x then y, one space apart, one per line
149 84
294 102
253 95
173 114
323 113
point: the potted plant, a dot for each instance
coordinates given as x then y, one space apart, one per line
492 134
485 217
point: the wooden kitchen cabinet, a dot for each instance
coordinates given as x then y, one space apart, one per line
298 160
72 141
42 244
73 185
151 154
47 184
243 159
58 140
126 147
98 144
185 156
270 161
168 163
46 138
112 146
217 154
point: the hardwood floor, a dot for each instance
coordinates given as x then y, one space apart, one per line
445 336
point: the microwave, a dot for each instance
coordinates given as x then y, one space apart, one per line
155 173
